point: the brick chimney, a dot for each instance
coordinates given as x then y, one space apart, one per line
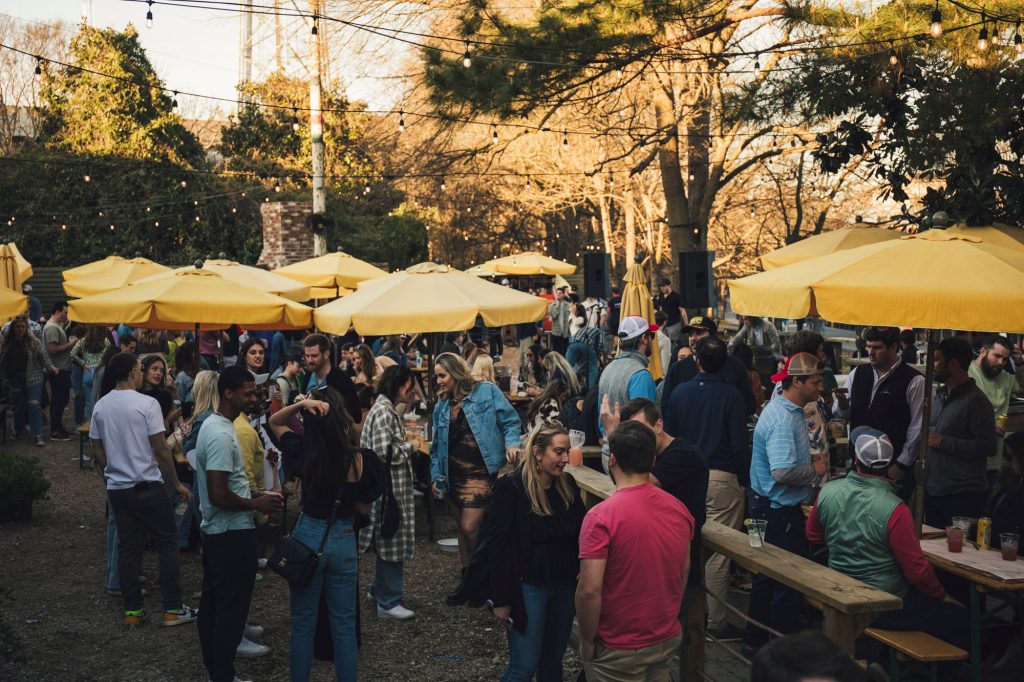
286 237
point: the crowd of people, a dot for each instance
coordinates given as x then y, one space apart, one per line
199 439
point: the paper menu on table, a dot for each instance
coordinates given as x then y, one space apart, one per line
987 561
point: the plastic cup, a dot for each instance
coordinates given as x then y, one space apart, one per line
1009 542
755 531
955 539
963 523
576 440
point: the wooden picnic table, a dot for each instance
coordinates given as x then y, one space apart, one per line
847 604
966 564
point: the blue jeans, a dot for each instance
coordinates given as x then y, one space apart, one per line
193 516
87 395
76 384
25 398
113 577
549 610
336 576
773 603
387 583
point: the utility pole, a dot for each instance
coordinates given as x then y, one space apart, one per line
316 126
244 48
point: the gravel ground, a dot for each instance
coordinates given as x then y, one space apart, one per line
71 629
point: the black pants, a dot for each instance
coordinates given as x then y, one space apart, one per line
559 344
939 510
229 573
146 508
773 603
60 395
948 622
497 343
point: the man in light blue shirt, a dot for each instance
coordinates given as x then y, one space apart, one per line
229 535
782 477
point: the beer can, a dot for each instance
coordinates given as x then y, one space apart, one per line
1001 421
984 532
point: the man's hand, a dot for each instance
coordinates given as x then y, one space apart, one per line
415 443
894 473
842 398
609 416
587 650
1000 432
934 439
501 614
184 494
820 465
268 503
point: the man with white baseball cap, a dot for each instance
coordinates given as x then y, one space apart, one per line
871 536
626 377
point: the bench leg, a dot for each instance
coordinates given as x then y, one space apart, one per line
894 665
844 628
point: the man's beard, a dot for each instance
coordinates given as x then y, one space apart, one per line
991 371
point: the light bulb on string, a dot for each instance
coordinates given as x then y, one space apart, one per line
184 183
1018 44
174 102
494 134
757 66
39 69
983 35
401 121
893 59
111 227
314 30
277 186
565 140
295 119
936 27
87 178
443 185
156 223
467 61
149 14
995 35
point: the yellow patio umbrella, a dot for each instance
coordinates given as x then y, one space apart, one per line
331 272
91 268
934 280
427 298
190 299
12 303
530 263
117 274
247 276
482 270
24 267
826 243
10 275
637 302
996 234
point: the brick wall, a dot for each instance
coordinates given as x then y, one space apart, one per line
286 237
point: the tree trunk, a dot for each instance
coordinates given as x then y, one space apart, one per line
606 228
630 226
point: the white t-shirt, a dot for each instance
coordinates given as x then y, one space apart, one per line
124 421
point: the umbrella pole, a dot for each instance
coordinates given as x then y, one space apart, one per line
921 467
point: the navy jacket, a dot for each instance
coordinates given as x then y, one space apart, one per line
709 413
734 374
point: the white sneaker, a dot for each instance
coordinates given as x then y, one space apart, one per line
250 649
259 577
397 612
253 631
261 563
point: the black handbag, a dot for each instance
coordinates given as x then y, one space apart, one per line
390 514
294 561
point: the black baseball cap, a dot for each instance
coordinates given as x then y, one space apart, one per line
700 323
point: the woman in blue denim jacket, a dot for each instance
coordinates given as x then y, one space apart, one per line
476 431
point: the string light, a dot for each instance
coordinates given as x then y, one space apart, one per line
277 186
494 134
444 186
149 14
467 61
401 121
174 102
983 35
184 183
314 30
995 35
565 140
893 59
936 27
39 69
156 223
757 66
87 178
1018 44
295 119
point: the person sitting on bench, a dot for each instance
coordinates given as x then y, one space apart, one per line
870 536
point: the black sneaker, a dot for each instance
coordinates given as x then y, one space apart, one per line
57 435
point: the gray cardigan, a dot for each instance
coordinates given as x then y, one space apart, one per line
967 425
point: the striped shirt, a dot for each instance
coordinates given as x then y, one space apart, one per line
780 442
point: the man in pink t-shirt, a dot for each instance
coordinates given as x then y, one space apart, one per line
634 552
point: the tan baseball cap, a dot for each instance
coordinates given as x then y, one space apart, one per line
799 365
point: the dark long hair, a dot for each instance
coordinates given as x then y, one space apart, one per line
118 368
554 390
329 446
185 359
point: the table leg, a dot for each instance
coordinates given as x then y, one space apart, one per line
844 628
975 606
691 651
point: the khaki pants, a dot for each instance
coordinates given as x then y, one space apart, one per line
725 506
649 664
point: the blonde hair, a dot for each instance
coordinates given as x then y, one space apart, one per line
483 368
204 391
557 364
457 369
529 468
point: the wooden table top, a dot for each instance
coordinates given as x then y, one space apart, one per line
955 562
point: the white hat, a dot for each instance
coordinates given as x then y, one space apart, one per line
259 379
873 448
633 326
504 280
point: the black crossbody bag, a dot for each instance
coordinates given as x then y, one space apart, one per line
294 561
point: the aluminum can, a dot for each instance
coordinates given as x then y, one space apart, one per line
984 532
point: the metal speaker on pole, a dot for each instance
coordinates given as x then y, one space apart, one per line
696 279
596 275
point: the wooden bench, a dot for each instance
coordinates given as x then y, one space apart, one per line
83 438
848 605
916 645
